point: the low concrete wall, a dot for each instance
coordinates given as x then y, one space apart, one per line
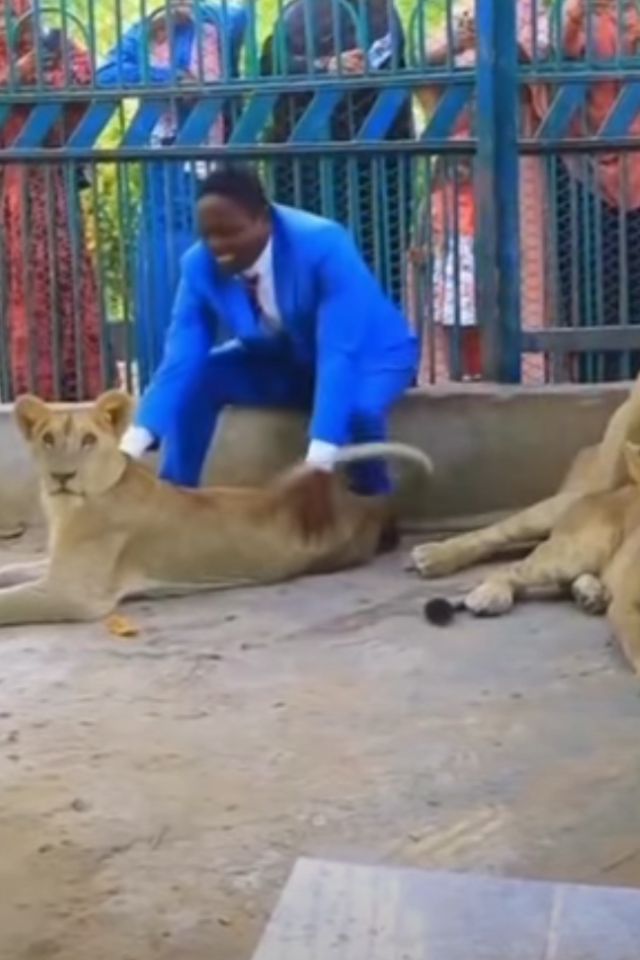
494 448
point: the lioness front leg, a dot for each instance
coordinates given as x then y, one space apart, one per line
45 601
621 580
590 594
529 526
624 617
15 573
555 563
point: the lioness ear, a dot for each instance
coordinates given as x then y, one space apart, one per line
29 411
115 407
632 457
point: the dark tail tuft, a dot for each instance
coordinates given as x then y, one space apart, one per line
439 611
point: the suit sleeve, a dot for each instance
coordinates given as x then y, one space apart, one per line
125 63
343 283
189 341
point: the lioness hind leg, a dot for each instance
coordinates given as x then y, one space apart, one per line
532 524
552 564
590 594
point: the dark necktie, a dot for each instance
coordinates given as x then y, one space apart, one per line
251 286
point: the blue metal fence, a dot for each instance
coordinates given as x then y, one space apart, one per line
485 157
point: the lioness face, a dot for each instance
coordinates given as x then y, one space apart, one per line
76 450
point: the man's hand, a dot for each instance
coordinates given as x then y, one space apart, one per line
27 66
136 441
465 33
321 455
186 78
351 61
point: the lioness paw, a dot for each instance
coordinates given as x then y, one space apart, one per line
434 559
590 594
491 599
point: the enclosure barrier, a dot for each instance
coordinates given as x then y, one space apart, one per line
484 157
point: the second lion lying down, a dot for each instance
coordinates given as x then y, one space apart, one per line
590 533
116 531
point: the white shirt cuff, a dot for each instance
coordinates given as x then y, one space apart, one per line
322 455
136 441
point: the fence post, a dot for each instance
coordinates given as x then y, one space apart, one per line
496 189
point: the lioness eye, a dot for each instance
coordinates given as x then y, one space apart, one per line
89 440
48 439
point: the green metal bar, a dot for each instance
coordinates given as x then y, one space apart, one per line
256 151
567 340
53 280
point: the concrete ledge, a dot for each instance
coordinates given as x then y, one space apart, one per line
494 448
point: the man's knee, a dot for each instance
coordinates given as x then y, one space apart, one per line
367 422
210 383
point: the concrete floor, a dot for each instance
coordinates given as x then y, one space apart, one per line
156 791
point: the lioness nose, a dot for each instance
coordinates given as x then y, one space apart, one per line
63 478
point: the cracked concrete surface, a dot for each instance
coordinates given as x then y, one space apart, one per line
155 791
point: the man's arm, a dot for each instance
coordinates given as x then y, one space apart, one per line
189 340
340 335
125 63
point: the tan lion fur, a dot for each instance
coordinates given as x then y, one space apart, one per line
588 534
115 530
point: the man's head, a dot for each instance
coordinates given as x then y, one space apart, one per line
234 217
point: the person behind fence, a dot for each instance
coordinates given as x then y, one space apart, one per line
597 197
48 286
349 38
451 218
308 324
183 42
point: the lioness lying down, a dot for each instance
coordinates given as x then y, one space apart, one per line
115 530
590 533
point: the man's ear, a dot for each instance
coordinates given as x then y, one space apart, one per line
29 411
632 457
116 408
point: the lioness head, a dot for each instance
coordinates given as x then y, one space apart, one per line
76 450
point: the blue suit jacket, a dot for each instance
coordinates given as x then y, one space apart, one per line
335 318
129 62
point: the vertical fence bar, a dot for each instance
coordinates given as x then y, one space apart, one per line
497 195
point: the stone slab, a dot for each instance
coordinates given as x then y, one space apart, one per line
336 911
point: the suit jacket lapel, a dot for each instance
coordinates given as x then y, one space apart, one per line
284 272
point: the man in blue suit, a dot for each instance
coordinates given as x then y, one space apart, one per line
307 326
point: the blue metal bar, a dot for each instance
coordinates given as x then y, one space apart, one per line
143 123
247 150
233 87
448 110
383 113
497 199
38 126
197 125
623 113
314 124
485 190
253 120
562 112
507 107
92 125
